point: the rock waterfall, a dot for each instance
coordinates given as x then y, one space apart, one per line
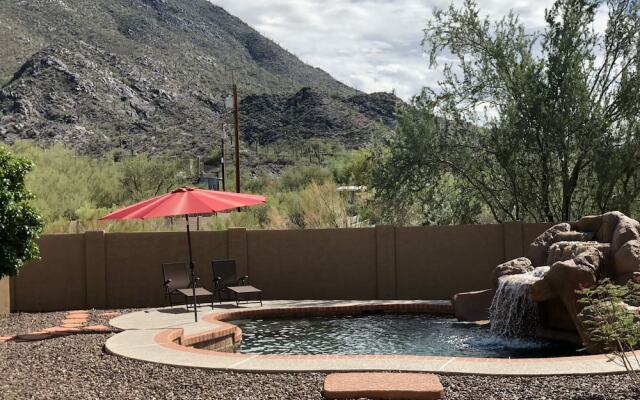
512 312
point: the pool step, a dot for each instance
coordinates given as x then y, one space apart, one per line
383 385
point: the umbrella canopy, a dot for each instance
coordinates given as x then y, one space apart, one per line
184 202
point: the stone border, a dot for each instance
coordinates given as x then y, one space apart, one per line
173 343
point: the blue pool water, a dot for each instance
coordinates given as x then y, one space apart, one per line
417 334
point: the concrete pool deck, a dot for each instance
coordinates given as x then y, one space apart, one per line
166 336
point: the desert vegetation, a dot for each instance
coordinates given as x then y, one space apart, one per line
534 126
72 191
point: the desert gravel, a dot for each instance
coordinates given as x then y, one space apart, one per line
76 367
13 324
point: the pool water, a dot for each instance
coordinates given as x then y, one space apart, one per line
417 334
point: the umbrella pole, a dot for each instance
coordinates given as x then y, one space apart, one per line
193 273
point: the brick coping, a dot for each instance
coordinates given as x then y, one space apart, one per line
175 345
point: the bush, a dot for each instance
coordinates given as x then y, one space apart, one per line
296 178
20 224
612 323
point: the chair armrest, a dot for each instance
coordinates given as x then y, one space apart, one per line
167 282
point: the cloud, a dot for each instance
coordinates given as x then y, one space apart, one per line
372 45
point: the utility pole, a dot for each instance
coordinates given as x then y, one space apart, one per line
236 117
224 177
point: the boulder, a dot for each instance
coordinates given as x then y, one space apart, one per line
574 236
627 229
627 259
472 306
562 251
513 267
589 223
609 222
579 254
538 250
565 277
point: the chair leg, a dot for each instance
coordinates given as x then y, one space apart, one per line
166 295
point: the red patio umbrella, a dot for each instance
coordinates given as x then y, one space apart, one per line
186 201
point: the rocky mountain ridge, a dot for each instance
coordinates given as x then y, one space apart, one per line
150 76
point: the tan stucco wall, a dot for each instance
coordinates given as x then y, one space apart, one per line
313 264
133 272
437 262
57 280
5 296
98 270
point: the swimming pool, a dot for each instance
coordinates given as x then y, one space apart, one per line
405 334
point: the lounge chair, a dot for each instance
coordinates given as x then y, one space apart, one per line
178 282
226 280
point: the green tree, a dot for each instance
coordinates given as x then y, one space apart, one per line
144 177
535 126
20 224
417 182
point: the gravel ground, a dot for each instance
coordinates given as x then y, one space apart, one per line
96 319
13 324
76 367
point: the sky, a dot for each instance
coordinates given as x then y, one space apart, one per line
372 45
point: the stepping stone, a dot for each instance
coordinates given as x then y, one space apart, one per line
96 329
33 336
70 325
77 316
78 312
110 314
74 321
62 330
383 385
4 339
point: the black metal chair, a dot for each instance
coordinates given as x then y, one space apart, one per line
226 280
177 282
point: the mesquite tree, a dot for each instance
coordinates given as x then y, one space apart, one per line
20 224
535 126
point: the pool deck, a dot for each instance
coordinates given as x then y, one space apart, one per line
163 336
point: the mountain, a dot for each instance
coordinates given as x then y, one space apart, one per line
151 76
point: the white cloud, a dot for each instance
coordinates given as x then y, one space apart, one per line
373 45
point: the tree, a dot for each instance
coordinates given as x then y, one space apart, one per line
20 224
144 177
535 126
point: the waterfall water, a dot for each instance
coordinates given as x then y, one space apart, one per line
512 312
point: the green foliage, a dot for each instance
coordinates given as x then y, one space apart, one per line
73 192
417 183
20 224
144 177
539 127
69 187
63 182
611 324
354 169
296 178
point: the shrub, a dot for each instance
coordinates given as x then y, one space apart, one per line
612 323
20 224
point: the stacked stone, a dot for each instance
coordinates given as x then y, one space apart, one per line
579 254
